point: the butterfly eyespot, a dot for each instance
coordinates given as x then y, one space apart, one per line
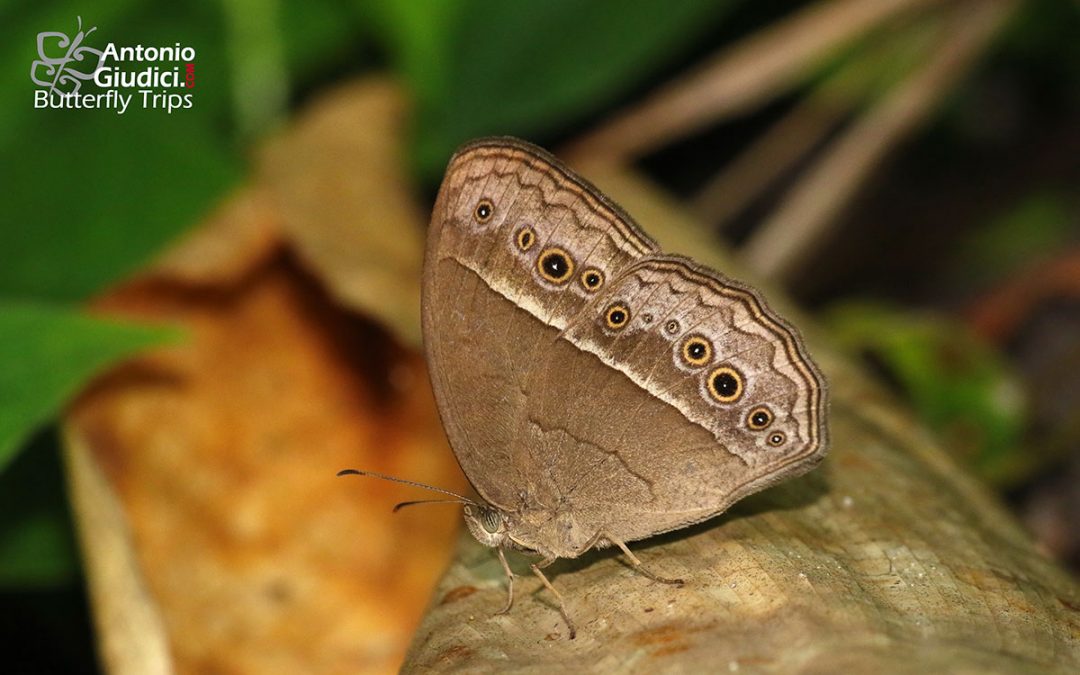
777 439
526 237
646 317
696 351
759 418
555 265
484 210
725 384
592 279
617 316
671 327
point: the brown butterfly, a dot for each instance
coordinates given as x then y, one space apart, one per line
595 390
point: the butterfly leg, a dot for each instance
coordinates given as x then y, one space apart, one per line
509 582
536 567
641 568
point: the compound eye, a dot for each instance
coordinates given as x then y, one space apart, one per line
491 520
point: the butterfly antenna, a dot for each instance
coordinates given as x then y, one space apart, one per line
398 507
357 472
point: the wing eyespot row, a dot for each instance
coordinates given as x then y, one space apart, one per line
803 366
563 178
815 386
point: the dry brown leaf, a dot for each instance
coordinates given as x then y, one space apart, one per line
217 536
223 454
131 635
347 204
244 229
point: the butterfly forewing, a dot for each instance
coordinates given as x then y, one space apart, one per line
518 246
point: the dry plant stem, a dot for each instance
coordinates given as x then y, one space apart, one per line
795 135
753 71
805 216
766 159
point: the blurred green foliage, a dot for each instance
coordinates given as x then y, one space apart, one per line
959 385
479 68
48 353
1036 227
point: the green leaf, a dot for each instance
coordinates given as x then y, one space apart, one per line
527 68
135 184
47 353
89 194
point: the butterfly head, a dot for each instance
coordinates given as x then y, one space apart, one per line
488 524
